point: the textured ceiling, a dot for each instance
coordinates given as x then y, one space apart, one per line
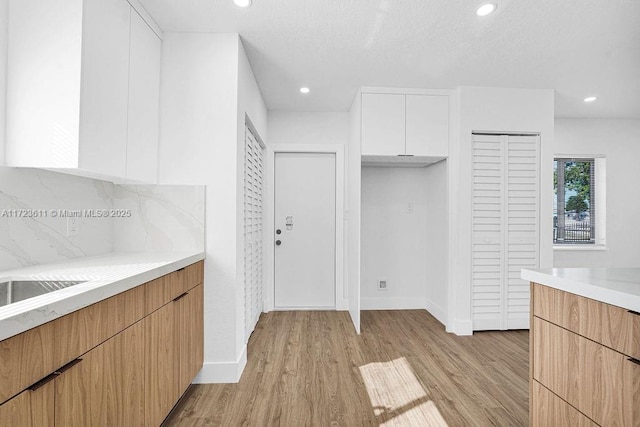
577 47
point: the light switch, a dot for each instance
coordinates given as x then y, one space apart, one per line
410 207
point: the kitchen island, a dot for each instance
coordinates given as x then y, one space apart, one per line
584 346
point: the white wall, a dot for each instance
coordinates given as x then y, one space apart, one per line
198 145
394 237
619 141
308 128
438 240
491 109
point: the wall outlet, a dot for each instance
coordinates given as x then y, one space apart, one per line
410 208
73 226
383 285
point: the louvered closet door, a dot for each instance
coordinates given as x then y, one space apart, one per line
504 227
253 193
522 225
488 231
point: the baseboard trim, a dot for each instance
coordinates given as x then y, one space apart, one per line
222 372
392 303
436 311
462 327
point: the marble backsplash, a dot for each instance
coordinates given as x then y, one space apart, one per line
164 217
33 225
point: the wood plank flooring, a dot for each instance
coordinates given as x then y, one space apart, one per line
311 369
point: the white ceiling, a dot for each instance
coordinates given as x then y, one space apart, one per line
577 47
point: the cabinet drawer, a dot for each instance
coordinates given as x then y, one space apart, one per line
187 278
31 408
601 383
25 359
607 324
82 330
549 410
166 288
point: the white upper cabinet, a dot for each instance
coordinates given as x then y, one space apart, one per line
427 125
105 86
398 124
144 102
383 124
43 83
74 88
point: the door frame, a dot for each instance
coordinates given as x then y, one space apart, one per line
269 220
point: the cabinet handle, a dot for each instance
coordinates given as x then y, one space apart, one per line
634 360
633 312
180 296
68 366
180 269
43 381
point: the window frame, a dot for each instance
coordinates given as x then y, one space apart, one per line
598 203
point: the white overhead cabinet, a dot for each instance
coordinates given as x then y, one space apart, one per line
396 124
427 125
144 101
83 88
383 124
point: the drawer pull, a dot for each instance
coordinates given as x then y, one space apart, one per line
634 360
68 366
180 269
43 381
180 296
633 312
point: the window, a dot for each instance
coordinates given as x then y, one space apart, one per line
575 208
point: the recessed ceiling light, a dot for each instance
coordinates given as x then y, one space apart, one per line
486 9
304 90
590 99
242 3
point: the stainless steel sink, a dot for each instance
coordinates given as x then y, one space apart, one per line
19 290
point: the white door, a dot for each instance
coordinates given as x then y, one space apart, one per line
305 213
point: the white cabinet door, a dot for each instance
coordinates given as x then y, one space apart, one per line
383 124
43 83
427 125
105 86
144 100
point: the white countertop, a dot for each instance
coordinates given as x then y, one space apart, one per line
105 276
616 286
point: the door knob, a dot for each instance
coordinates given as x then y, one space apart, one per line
278 242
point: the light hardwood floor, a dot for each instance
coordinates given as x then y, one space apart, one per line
311 369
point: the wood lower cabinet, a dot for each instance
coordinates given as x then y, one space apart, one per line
174 352
553 411
127 359
160 359
106 386
580 373
190 336
25 359
31 408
